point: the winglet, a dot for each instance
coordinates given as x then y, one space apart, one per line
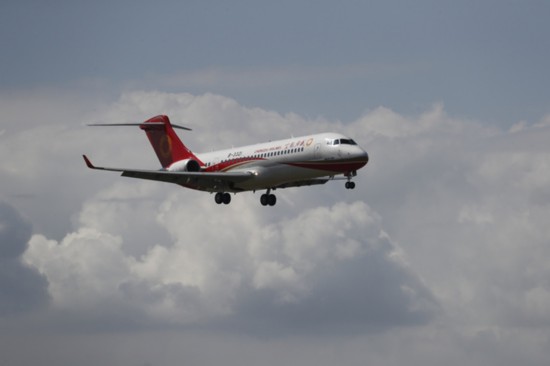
88 162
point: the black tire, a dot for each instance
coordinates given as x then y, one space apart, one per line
271 200
226 198
218 198
264 199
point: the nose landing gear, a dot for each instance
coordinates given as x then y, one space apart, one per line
349 183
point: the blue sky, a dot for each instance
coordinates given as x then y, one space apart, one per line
440 253
485 60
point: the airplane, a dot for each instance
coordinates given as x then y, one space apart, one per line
294 162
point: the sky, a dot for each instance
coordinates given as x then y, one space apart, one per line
440 255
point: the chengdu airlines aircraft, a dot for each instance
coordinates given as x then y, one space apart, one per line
294 162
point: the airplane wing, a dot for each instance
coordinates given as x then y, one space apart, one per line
304 182
197 180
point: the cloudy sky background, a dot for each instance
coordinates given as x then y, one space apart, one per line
440 255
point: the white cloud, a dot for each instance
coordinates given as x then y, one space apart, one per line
83 270
22 288
444 241
220 260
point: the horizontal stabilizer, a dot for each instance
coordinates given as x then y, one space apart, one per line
142 125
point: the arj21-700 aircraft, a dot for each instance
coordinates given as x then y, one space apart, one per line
294 162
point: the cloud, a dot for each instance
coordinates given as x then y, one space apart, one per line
467 203
441 247
292 274
338 271
22 288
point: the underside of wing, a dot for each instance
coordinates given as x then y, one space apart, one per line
205 181
305 182
213 182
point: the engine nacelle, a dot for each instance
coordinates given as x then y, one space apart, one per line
187 165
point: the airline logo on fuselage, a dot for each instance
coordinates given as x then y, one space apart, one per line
287 146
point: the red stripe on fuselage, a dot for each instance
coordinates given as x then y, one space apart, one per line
339 166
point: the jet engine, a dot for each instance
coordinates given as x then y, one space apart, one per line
187 165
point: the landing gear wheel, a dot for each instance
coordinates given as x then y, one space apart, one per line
350 185
268 199
264 199
222 197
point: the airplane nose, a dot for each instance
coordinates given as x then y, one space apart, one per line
362 154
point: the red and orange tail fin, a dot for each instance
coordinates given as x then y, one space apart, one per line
165 141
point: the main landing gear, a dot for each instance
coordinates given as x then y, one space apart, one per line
222 197
268 199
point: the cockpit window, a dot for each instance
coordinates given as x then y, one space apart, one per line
347 142
335 142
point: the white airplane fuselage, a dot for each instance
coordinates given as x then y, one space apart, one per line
279 162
